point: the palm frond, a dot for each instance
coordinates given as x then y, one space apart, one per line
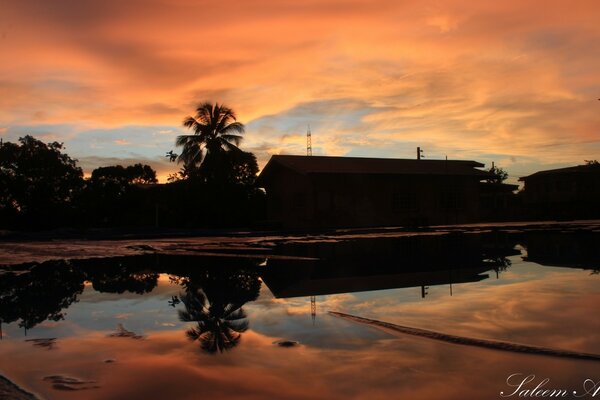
182 140
204 112
190 122
235 139
236 314
230 339
192 150
226 117
240 326
193 334
228 146
234 128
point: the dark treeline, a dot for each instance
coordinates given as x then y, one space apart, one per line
42 187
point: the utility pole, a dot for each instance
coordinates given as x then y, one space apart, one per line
419 153
308 142
313 300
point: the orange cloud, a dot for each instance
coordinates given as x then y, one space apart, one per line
513 81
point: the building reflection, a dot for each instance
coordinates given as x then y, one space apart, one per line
564 249
379 264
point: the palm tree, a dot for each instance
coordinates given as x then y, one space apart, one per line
219 323
215 131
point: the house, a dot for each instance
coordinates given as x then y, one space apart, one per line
312 192
563 193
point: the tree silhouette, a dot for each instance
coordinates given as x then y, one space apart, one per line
219 323
120 279
214 299
123 176
215 131
40 294
38 182
499 175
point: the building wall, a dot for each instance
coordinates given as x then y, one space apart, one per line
563 196
353 200
556 188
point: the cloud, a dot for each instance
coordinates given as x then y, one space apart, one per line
513 79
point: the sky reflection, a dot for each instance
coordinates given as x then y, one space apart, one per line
528 303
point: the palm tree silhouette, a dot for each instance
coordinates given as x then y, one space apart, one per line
219 323
215 131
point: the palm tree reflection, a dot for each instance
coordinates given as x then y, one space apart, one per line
219 324
214 301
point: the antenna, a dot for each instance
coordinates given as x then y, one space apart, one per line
308 142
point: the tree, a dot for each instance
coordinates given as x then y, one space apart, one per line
113 195
215 131
242 167
115 180
117 174
38 182
499 175
141 174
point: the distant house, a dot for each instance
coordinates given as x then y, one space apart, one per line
310 192
572 192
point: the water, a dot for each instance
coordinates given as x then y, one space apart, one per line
186 327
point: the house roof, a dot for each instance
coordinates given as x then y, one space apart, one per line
360 165
569 170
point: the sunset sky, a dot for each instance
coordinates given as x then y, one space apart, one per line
515 82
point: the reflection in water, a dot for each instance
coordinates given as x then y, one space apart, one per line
219 326
387 263
468 341
216 288
120 279
216 297
564 249
39 294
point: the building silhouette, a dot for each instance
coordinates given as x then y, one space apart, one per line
564 193
320 192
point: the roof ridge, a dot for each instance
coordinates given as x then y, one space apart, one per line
300 156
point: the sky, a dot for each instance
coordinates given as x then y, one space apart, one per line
514 82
